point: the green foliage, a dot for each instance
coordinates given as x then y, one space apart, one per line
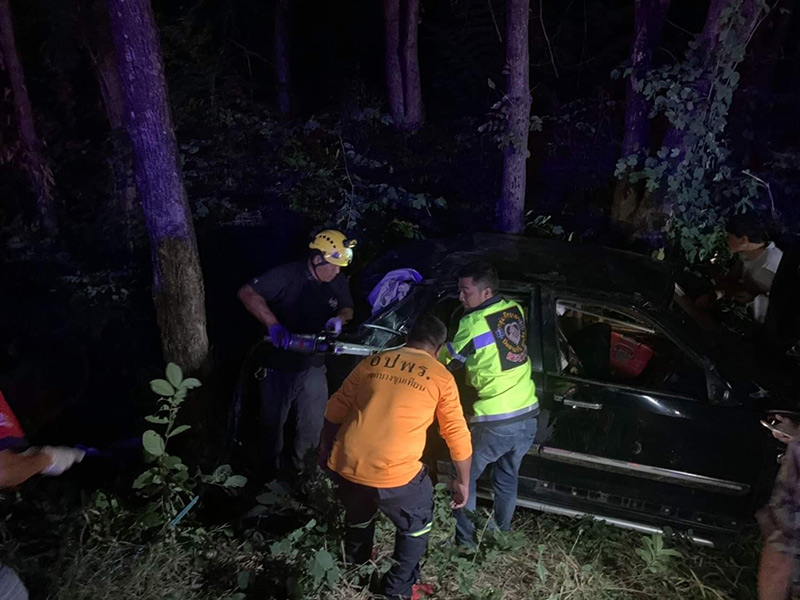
696 177
497 124
309 558
543 226
346 190
166 484
655 556
316 167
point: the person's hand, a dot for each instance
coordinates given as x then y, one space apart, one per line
61 459
791 429
279 336
460 494
324 457
334 325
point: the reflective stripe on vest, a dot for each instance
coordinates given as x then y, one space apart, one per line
504 416
496 357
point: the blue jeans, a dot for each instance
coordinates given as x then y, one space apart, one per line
502 446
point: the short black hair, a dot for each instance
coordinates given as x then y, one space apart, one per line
482 273
748 224
430 330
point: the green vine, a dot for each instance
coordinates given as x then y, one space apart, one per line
693 172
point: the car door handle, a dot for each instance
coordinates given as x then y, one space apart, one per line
580 404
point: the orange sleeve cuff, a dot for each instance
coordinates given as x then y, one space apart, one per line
462 451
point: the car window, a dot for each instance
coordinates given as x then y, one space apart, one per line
599 343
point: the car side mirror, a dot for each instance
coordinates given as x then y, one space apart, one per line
719 391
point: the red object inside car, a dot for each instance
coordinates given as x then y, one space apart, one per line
628 357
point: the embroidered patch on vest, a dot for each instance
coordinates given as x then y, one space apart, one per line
510 337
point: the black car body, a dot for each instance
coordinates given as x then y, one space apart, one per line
677 443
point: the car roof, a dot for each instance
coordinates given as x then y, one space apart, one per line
555 263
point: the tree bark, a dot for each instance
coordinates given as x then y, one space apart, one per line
708 44
100 47
394 73
649 19
412 87
648 23
282 67
402 63
511 208
33 158
177 279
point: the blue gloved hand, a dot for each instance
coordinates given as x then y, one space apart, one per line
279 336
334 325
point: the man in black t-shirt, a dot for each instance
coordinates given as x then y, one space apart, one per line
298 297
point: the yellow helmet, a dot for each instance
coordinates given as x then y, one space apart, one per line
335 248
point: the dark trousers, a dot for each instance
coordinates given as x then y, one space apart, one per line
409 507
501 447
292 412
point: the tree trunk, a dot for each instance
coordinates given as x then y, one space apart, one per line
177 279
412 88
33 157
394 73
649 19
282 55
511 209
100 47
708 44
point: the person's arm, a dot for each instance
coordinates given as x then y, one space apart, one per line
777 524
455 353
774 574
346 315
460 487
339 406
16 469
454 430
257 306
346 303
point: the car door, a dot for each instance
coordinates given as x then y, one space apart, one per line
626 424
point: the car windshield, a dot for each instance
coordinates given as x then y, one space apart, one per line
388 327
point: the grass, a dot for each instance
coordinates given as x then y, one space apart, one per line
80 555
564 559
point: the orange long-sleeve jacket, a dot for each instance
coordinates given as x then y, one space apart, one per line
385 407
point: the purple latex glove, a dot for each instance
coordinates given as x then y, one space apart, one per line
279 336
334 325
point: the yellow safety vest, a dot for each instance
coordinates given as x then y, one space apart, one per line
492 343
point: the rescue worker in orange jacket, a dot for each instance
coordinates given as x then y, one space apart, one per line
373 440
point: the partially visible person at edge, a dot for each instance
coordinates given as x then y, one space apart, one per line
298 297
16 468
750 280
375 432
492 343
779 567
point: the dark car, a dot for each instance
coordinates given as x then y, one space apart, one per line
646 419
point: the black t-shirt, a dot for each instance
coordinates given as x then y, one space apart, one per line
302 305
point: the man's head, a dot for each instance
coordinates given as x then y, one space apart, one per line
428 333
745 233
321 268
477 282
330 251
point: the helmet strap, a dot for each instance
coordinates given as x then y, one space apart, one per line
316 265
